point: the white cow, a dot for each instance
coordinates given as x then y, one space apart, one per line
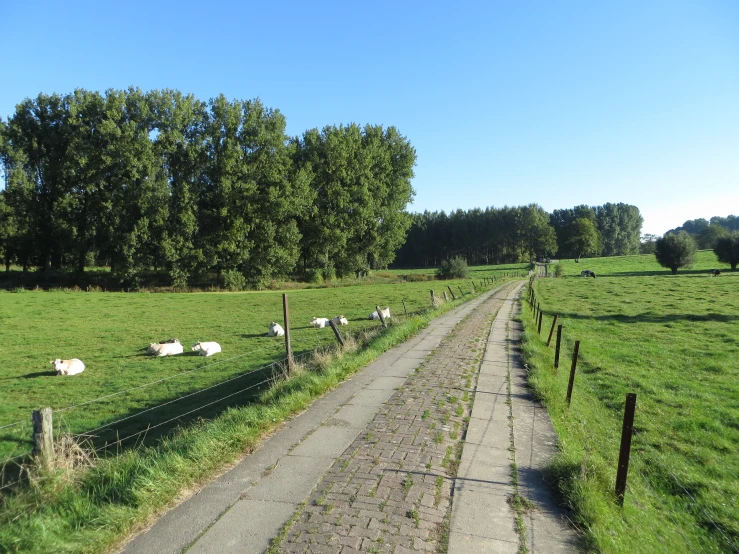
206 348
319 322
385 314
166 349
275 330
340 320
68 367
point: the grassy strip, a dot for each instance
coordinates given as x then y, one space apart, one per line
91 510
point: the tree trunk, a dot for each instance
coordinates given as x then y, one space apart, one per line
81 259
733 266
674 270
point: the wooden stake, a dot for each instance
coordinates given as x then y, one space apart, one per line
288 348
382 317
572 372
556 350
339 339
451 292
551 331
406 309
43 436
623 457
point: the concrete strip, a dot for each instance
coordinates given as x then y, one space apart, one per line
536 444
201 524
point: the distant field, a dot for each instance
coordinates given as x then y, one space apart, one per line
673 340
108 330
475 271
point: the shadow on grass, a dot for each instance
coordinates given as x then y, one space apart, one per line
654 318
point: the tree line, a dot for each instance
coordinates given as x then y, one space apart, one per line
162 181
522 233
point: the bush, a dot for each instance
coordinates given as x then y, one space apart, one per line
453 268
727 250
675 251
234 280
315 276
558 270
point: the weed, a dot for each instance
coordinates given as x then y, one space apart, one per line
426 414
407 483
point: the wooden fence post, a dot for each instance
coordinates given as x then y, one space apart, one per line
556 350
433 298
288 347
339 339
623 457
43 436
382 318
406 309
538 329
446 296
572 372
473 287
451 292
460 291
551 331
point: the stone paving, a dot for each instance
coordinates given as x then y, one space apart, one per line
390 491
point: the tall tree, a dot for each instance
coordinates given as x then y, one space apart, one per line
620 228
584 239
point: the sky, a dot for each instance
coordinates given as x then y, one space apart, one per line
506 103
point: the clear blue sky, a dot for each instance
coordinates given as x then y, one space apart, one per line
507 103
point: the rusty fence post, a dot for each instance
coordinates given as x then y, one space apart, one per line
43 436
288 347
556 350
551 331
451 292
623 456
339 338
572 372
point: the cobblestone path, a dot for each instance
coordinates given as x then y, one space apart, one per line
390 491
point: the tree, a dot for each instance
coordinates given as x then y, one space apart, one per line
675 250
727 249
620 228
584 238
648 244
707 238
453 268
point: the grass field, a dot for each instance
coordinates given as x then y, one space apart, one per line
673 340
108 330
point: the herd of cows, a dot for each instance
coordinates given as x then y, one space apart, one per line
172 347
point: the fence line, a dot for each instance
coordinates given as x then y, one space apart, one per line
174 400
107 445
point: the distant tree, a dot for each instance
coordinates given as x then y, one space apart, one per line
583 239
675 250
620 228
727 249
708 236
648 244
453 268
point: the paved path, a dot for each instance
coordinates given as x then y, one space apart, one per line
371 465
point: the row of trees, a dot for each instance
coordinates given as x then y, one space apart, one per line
164 181
707 232
524 233
677 249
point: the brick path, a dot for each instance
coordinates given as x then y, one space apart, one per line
390 491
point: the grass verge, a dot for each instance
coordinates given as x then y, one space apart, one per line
93 509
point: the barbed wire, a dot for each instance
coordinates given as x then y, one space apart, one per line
149 428
14 423
87 432
94 400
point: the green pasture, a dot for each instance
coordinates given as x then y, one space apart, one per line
108 331
673 340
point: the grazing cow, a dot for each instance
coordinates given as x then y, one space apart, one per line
319 322
340 320
587 273
275 330
68 367
206 348
714 272
166 349
385 314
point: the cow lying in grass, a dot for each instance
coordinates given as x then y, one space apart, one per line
206 348
340 320
166 349
275 330
587 273
68 367
319 322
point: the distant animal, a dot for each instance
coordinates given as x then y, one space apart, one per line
385 314
587 273
169 341
714 272
319 322
166 349
340 320
275 330
206 348
68 367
